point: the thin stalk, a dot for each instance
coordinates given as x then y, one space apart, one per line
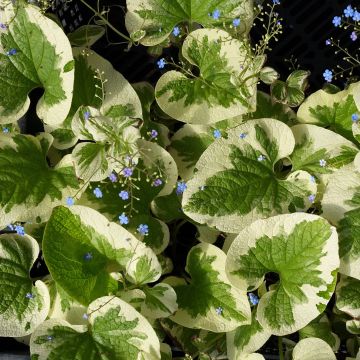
281 349
106 21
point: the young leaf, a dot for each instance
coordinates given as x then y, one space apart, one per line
42 58
217 306
86 35
314 144
303 250
235 181
160 301
29 188
90 161
23 306
187 145
115 330
313 349
353 327
221 91
81 248
332 111
348 296
267 108
115 89
158 18
291 92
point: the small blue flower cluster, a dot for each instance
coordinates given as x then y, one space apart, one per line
18 228
180 187
143 229
349 14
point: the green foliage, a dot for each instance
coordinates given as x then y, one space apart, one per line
36 63
214 86
110 195
250 184
158 18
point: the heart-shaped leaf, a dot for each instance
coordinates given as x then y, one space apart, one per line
38 54
23 306
115 330
81 248
218 306
225 87
332 111
303 250
236 181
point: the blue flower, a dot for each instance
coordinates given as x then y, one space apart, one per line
11 52
355 117
356 16
242 136
123 219
88 256
276 2
349 11
3 26
98 193
219 310
127 172
157 182
161 63
254 300
261 157
176 31
353 36
11 227
112 177
20 230
328 75
154 134
216 14
87 115
217 134
336 21
311 198
236 22
85 316
180 187
312 179
124 195
322 163
49 338
29 295
70 201
143 229
6 130
328 42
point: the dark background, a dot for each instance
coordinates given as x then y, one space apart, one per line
306 26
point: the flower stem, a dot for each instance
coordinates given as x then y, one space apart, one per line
106 21
281 350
